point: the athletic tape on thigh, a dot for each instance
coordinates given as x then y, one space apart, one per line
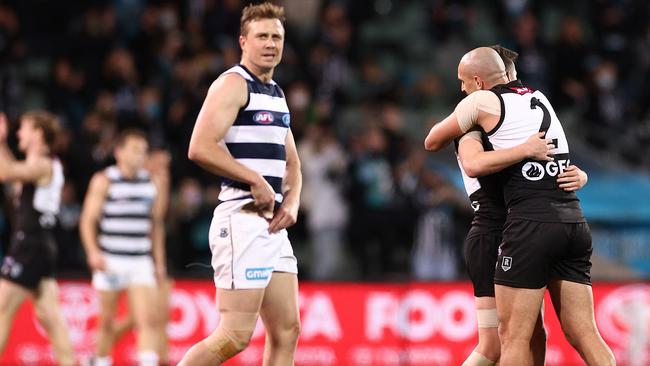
487 318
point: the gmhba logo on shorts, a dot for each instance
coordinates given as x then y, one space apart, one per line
262 273
532 171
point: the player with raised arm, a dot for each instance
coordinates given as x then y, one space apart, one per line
29 267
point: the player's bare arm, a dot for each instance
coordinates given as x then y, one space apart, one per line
477 162
442 133
158 228
475 110
90 215
572 178
287 214
34 169
225 97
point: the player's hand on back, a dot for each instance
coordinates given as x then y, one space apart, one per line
96 262
539 148
264 196
572 178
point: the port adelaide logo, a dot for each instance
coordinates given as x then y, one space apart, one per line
533 171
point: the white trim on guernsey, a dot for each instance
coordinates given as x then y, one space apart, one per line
126 208
266 102
238 70
230 193
257 134
127 226
266 167
120 190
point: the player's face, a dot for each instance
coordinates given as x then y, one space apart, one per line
132 153
263 44
468 83
26 133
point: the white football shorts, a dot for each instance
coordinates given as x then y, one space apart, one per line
244 254
123 271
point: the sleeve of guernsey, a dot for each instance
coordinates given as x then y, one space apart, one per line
467 110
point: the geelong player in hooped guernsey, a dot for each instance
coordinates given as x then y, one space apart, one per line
242 134
546 241
257 138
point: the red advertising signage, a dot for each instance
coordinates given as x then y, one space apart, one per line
413 324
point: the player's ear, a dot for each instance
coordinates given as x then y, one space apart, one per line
479 83
242 42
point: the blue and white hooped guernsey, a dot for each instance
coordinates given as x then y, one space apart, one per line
257 137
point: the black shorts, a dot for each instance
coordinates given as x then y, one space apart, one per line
481 246
31 257
534 252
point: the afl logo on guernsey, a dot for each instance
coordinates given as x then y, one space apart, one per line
286 119
263 117
532 171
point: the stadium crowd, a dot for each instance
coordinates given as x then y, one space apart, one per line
363 80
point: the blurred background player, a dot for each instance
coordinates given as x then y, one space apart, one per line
28 269
157 165
127 252
242 134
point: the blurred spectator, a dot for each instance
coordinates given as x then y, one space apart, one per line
324 164
532 64
435 253
570 65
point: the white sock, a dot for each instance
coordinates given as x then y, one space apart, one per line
103 361
477 359
147 358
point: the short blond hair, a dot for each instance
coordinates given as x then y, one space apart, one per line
260 11
46 122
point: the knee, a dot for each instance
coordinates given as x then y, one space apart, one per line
225 343
509 334
241 339
285 335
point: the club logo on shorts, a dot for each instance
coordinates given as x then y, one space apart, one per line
532 171
475 205
223 233
262 273
506 263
